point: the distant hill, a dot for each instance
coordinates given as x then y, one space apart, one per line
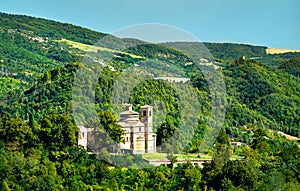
231 51
44 28
225 51
39 57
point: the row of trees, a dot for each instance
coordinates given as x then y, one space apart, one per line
43 155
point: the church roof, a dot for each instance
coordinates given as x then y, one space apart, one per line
146 106
131 124
124 124
129 112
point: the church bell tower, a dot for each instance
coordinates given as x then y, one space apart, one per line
150 137
146 118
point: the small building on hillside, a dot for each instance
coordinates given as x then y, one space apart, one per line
85 136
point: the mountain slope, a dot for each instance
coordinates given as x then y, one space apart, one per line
230 52
268 91
37 59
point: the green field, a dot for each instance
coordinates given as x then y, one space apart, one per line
92 48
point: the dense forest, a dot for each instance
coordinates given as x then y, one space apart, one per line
38 134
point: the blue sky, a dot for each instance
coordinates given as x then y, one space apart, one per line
274 23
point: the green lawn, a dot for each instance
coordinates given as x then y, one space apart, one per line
163 156
155 156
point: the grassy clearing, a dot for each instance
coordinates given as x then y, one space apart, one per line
163 156
91 48
155 156
85 47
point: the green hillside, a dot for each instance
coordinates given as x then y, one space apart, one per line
270 92
230 52
39 79
39 59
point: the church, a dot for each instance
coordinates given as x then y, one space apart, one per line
138 138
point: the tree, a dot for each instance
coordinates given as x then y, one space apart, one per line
165 131
186 177
109 123
57 131
172 158
14 132
259 142
222 154
240 174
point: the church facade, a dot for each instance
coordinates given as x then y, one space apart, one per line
139 137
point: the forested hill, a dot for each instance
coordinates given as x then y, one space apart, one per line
34 51
231 51
48 29
38 63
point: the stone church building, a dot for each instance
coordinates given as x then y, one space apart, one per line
139 137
